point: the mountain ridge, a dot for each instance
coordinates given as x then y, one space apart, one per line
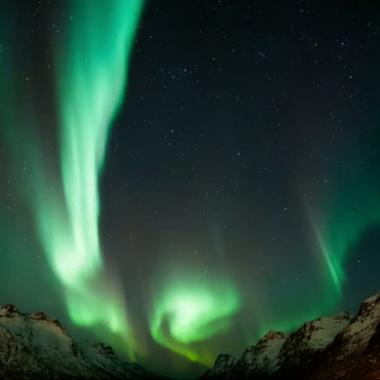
341 347
32 346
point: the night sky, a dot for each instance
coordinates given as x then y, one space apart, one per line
177 178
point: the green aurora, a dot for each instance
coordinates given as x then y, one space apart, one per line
92 65
91 57
187 311
340 221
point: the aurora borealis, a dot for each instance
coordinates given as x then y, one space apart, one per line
189 310
91 66
177 179
91 70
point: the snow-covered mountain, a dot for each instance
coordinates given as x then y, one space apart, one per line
334 348
339 347
304 345
355 352
262 358
35 347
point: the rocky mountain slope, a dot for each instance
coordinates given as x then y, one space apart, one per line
341 347
35 347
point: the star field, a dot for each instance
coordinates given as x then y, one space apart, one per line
236 159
